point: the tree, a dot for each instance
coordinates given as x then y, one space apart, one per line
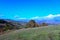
32 23
44 24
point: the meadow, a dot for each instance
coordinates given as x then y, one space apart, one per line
37 33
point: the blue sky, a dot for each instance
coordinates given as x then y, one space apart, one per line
13 9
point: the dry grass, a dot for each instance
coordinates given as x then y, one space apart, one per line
38 33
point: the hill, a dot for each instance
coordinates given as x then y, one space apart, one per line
38 33
11 23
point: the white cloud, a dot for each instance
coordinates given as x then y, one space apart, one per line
22 18
18 17
50 16
35 17
57 15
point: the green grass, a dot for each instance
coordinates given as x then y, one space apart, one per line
38 33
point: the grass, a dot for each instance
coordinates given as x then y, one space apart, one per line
38 33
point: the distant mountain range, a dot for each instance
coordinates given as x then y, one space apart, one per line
50 21
54 20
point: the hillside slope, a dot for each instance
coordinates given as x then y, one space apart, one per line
38 33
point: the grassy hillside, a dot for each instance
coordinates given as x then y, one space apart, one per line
38 33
